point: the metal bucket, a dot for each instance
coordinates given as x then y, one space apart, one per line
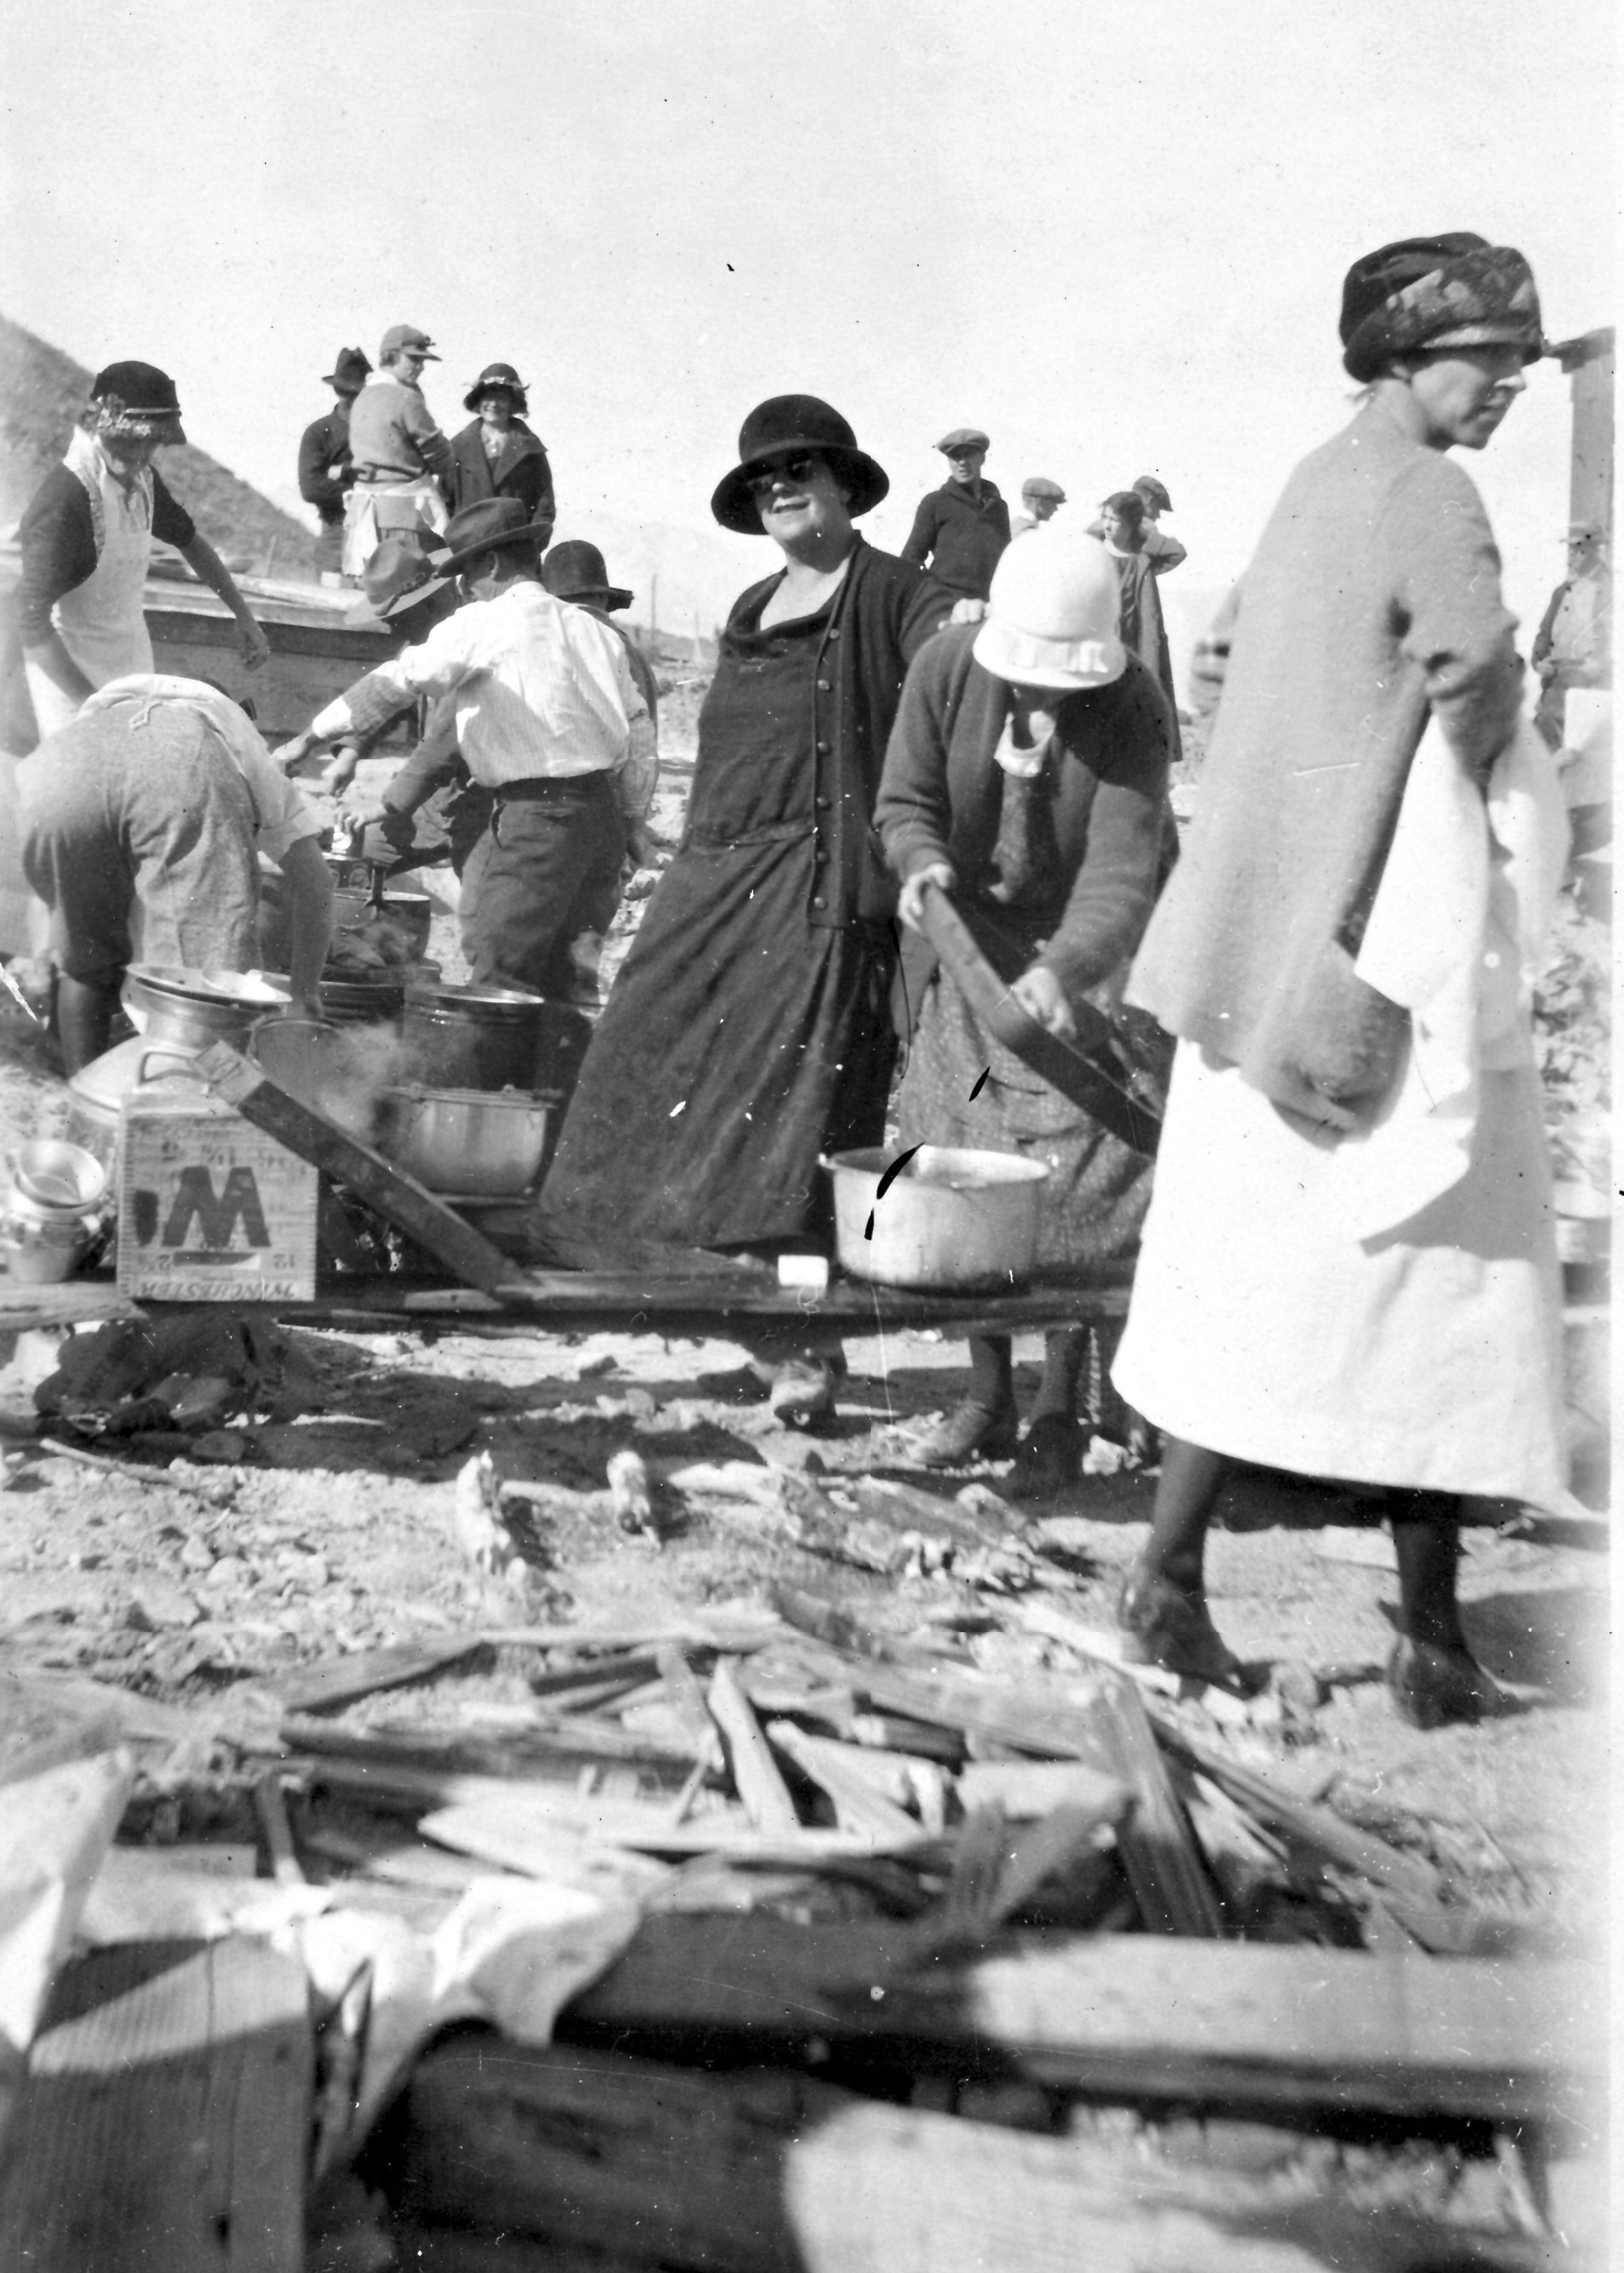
948 1218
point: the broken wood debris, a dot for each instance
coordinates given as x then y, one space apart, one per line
859 1858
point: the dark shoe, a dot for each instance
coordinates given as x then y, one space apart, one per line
1431 1686
803 1387
1163 1625
1050 1459
971 1431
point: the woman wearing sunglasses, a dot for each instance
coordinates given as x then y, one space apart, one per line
749 1030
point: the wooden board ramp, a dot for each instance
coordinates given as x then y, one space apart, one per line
1137 2016
164 2125
757 2173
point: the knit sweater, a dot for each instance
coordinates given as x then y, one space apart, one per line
1374 597
941 798
392 436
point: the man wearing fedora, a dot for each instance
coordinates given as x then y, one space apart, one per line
549 721
325 468
497 454
400 456
961 529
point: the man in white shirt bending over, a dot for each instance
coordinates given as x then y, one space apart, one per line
549 720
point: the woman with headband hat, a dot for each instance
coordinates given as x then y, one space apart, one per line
1027 774
87 540
749 1029
496 454
1349 1268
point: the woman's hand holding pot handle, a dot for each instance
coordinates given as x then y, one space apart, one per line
910 899
1043 998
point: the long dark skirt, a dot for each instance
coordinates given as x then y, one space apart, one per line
1098 1189
738 1045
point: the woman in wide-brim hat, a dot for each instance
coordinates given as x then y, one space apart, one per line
1027 774
497 455
1348 1268
749 1029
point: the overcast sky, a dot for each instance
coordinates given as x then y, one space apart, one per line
1112 235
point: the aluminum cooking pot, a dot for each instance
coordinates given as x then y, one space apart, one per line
477 1142
948 1218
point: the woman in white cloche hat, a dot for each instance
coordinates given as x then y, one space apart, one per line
1026 776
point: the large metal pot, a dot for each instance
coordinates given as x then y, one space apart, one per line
171 1003
474 1037
948 1218
473 1141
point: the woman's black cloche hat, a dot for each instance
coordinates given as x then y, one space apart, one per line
788 422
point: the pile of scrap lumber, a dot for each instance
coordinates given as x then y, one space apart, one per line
921 1968
915 1945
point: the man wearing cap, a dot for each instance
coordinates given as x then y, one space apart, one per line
549 720
1041 499
960 528
1574 644
400 456
87 540
325 468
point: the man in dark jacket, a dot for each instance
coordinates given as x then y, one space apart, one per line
324 464
960 528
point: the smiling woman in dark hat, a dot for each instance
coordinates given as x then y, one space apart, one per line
497 455
1298 1304
749 1030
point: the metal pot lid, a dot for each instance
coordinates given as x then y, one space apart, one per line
414 1093
501 999
176 979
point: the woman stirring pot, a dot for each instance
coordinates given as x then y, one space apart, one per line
750 1028
1348 1266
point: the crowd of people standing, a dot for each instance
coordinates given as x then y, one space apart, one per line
1348 1266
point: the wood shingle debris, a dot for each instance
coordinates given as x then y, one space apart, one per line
920 1967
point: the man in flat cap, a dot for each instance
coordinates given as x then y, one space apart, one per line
399 453
1040 500
326 466
960 528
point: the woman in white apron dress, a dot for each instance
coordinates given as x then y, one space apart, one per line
1349 1267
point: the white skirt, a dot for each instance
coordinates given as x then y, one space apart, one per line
1262 1327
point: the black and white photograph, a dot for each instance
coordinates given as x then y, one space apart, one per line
807 1163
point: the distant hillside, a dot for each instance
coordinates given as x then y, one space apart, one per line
41 392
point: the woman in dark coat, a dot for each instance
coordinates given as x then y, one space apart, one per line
497 455
749 1029
1027 774
1144 627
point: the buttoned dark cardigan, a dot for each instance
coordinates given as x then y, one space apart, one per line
883 614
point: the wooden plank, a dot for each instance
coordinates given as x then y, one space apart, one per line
1163 1863
1136 2014
755 1772
858 1807
341 1680
74 1302
777 2173
399 1199
1406 1876
166 2119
